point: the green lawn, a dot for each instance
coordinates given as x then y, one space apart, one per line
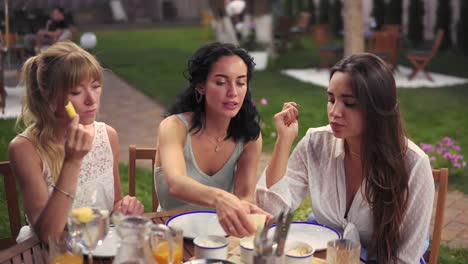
154 61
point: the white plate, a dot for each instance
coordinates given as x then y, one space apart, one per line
315 235
108 247
197 223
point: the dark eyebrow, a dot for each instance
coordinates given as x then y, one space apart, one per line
343 95
225 76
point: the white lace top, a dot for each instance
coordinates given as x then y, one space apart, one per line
96 181
316 166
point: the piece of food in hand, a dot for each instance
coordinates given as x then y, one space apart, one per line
257 220
70 110
83 214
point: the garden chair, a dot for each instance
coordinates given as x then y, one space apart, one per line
282 33
12 205
301 27
441 181
395 31
134 154
385 45
420 58
328 53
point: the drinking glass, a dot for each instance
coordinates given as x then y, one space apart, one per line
88 233
166 244
343 251
62 250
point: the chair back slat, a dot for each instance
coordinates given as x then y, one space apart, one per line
437 42
441 179
12 204
135 154
23 253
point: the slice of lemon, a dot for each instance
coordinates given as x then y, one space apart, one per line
70 110
83 214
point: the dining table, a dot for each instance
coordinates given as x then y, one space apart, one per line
34 251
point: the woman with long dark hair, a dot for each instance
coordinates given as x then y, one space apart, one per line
209 144
364 176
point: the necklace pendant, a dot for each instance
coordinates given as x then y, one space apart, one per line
217 148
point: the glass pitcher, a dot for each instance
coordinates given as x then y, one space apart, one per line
166 244
132 231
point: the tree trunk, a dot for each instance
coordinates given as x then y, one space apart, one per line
353 27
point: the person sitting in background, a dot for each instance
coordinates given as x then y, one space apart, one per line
63 162
209 144
364 177
56 29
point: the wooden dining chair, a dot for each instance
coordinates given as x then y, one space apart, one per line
441 182
420 58
31 251
135 154
12 205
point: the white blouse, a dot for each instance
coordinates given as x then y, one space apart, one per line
316 166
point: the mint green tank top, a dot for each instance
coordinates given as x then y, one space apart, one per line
223 179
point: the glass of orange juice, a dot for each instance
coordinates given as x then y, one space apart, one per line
62 250
166 243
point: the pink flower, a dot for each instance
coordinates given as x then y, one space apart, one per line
264 101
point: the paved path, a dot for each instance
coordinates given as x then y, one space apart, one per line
136 118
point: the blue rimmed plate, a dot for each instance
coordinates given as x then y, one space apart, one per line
316 235
197 223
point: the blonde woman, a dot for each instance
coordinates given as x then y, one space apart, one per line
62 162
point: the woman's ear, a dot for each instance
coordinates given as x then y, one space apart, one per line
200 89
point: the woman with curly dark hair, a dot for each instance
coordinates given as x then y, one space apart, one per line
209 144
365 178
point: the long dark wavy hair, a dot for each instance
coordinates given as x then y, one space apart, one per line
383 150
246 124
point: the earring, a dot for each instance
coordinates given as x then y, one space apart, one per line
198 96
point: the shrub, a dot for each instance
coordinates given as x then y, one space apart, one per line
445 154
324 9
336 18
394 11
378 12
462 28
416 27
444 21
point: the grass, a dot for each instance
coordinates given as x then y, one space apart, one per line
153 60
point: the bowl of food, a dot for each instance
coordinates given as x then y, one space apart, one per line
211 247
299 253
247 249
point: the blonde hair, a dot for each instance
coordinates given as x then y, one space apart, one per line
49 77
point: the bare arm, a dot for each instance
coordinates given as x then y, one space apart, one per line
286 123
232 212
48 215
246 178
127 204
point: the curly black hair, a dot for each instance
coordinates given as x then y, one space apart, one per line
245 125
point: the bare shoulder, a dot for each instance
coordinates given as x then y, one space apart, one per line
23 155
257 143
112 133
172 124
19 146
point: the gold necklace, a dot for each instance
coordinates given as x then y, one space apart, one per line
216 141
